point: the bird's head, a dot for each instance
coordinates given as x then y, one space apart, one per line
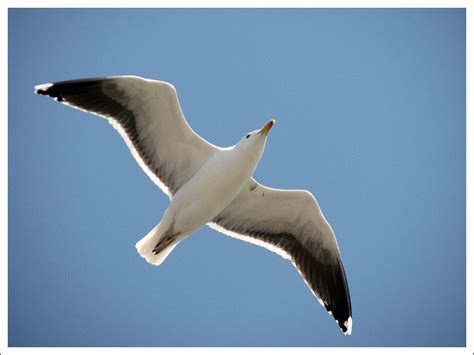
254 142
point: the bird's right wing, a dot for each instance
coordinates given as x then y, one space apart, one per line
148 116
290 223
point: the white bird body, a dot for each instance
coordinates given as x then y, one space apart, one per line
211 185
214 186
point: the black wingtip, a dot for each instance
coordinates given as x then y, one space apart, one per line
42 89
344 323
61 89
346 326
49 90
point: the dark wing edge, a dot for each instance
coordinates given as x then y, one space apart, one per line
321 268
94 96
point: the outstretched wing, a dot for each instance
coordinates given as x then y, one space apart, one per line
290 223
148 116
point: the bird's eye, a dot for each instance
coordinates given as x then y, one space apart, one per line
248 135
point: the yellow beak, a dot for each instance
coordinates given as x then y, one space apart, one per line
267 127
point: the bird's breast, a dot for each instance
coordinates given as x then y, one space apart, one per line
210 190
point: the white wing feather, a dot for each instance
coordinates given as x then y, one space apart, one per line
291 224
149 118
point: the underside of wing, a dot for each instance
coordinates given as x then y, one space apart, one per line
148 116
290 223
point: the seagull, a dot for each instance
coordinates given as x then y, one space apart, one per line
209 185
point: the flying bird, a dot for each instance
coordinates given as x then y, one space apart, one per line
210 185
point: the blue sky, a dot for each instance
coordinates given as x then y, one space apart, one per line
370 109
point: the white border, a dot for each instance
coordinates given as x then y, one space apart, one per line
4 187
240 3
226 4
469 176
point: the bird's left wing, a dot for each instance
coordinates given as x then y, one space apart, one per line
148 116
290 223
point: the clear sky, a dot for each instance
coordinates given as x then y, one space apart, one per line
370 110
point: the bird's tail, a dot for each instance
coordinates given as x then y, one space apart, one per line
156 245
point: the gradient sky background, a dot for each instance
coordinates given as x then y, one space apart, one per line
370 109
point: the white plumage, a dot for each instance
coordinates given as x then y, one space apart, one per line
211 185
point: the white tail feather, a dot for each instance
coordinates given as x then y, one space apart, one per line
146 245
